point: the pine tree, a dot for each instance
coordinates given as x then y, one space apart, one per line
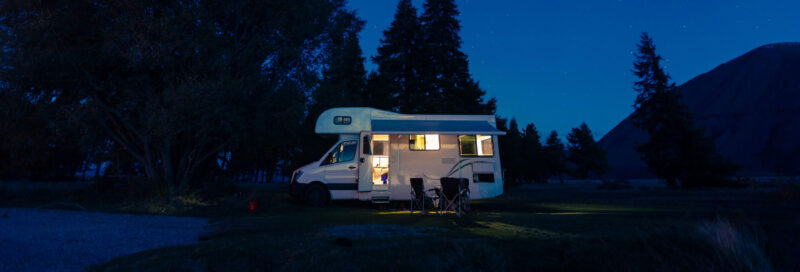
343 85
377 95
399 59
677 150
556 159
533 155
344 78
585 153
446 69
510 145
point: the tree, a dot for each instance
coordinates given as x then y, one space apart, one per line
343 85
379 95
399 60
555 158
173 83
510 145
344 77
677 150
421 66
33 142
446 71
534 167
585 153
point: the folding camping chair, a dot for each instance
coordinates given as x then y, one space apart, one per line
419 196
464 193
450 195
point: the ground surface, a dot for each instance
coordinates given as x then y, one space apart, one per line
62 240
575 226
554 227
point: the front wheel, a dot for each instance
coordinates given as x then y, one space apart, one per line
316 195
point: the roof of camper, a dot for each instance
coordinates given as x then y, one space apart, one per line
381 121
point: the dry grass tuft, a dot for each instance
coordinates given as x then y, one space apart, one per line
738 247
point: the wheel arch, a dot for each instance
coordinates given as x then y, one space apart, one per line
324 186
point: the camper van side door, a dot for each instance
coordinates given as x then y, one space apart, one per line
365 163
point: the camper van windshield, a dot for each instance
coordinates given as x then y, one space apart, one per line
344 152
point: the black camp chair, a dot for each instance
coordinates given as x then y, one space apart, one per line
464 193
450 195
419 196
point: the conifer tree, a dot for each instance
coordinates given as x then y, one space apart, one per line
343 85
556 159
446 69
510 144
344 79
585 153
378 95
399 59
677 150
533 155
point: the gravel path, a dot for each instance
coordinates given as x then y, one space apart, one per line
59 240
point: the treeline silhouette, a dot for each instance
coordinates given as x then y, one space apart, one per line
525 159
184 93
190 92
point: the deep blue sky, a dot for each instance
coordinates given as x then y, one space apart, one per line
560 63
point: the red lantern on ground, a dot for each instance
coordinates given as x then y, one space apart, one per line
253 207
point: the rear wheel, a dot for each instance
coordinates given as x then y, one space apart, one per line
316 195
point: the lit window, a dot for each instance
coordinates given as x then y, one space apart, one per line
475 145
485 145
431 141
423 142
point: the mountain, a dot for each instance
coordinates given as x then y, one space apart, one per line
750 106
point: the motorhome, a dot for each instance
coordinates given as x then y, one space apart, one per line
379 152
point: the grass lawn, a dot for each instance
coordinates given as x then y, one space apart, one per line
544 227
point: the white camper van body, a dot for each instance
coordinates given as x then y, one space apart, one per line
378 152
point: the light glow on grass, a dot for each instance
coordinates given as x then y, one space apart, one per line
508 231
569 213
405 212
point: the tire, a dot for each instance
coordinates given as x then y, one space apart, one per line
316 195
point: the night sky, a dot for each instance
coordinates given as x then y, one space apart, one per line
560 63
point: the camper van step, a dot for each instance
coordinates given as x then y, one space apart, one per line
380 199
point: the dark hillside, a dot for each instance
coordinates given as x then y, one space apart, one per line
750 106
